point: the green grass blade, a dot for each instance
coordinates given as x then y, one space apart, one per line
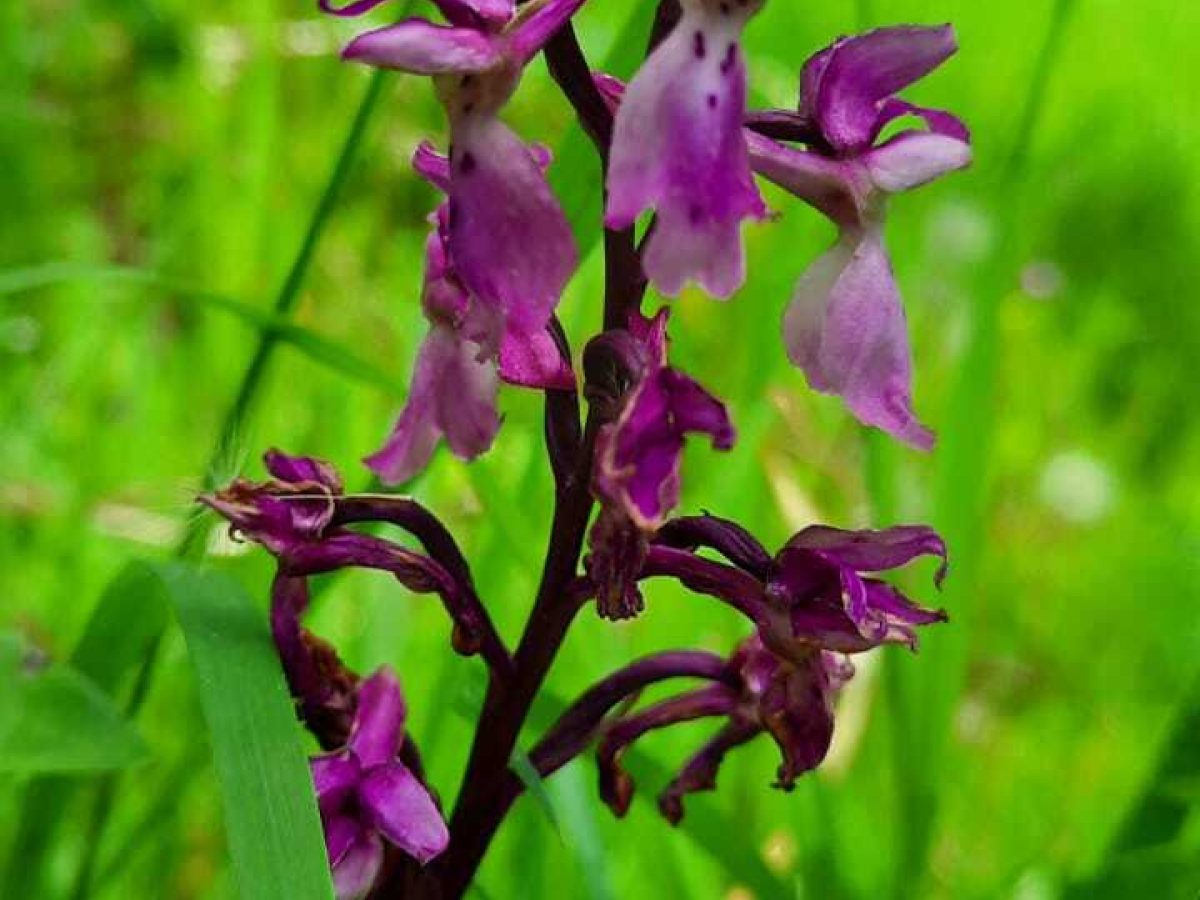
271 820
53 719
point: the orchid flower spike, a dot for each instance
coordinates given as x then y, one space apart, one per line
509 239
678 148
845 326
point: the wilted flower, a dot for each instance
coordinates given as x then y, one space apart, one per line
638 457
509 240
845 326
367 795
811 604
678 148
453 391
816 591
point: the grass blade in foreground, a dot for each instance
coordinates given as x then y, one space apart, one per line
271 817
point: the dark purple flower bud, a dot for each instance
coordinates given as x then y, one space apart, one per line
636 474
845 325
367 795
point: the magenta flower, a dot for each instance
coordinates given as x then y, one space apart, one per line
678 148
506 233
638 456
845 326
816 592
811 603
367 795
469 348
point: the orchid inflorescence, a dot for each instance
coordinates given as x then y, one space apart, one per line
679 143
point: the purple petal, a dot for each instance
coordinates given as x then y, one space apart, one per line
696 411
379 719
533 360
510 242
678 148
432 166
939 121
915 158
862 71
298 469
423 48
452 393
845 328
532 32
872 551
334 777
341 833
355 873
485 15
401 808
829 185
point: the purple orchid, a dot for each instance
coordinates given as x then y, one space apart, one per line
454 386
678 148
811 604
367 795
845 326
638 458
506 233
816 592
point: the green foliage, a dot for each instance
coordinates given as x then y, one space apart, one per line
54 720
271 820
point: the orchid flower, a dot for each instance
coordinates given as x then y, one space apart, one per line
506 233
678 148
636 474
845 326
367 796
467 351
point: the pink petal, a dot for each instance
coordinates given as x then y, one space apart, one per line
510 242
678 148
423 48
533 360
845 328
401 808
334 778
915 158
534 31
845 87
355 872
432 166
378 719
453 393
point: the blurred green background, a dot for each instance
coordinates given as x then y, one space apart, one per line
1045 743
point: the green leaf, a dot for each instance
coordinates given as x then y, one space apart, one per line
123 630
522 766
271 819
319 349
54 719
